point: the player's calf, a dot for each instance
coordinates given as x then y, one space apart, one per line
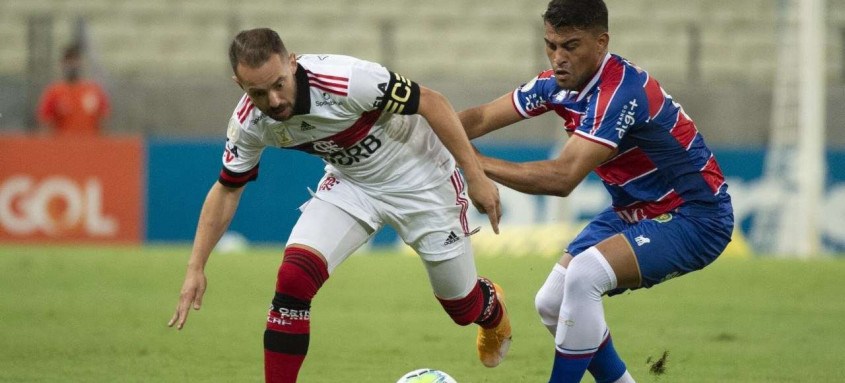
288 330
480 306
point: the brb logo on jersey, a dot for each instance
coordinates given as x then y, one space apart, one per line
337 155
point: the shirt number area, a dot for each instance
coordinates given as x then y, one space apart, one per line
353 154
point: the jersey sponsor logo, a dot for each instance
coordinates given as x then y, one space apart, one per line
230 153
327 101
257 119
351 155
626 118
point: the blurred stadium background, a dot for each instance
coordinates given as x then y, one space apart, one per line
736 67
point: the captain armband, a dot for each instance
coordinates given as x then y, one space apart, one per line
401 96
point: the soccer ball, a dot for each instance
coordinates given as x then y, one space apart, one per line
426 375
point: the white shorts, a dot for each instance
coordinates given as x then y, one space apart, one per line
342 216
432 221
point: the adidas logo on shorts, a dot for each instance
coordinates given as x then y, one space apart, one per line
451 239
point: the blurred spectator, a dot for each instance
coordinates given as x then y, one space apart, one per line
73 105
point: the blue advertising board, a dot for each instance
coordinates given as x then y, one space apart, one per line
180 173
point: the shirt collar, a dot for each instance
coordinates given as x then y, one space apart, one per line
303 92
594 80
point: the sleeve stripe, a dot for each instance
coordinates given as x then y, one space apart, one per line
325 76
233 179
598 140
515 102
249 108
243 105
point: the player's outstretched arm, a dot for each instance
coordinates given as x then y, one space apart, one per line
489 117
217 212
556 177
445 123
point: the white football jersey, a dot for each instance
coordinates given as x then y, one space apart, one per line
349 112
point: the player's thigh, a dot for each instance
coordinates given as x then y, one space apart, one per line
351 198
455 277
432 221
330 230
676 244
603 226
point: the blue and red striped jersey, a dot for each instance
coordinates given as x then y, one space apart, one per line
662 161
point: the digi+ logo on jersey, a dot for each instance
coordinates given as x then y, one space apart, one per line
626 118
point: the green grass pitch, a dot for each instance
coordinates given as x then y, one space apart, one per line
98 314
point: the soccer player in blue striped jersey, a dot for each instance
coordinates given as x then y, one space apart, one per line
670 212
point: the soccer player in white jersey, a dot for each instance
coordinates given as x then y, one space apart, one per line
391 149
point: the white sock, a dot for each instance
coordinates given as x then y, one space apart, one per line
549 297
625 378
581 324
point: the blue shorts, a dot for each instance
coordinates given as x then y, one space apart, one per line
667 246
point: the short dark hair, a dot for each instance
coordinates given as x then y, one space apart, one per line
254 47
578 14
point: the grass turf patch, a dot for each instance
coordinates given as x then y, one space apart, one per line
83 314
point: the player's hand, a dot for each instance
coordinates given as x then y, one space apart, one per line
485 197
191 296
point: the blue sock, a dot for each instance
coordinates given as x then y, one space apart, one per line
606 366
569 368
